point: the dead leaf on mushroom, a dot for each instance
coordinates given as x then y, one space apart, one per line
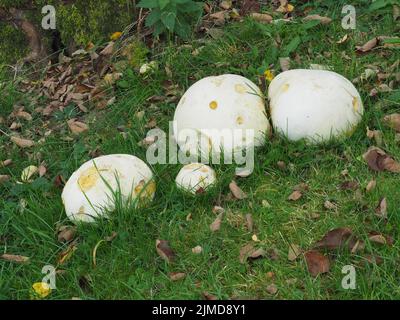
236 191
14 258
378 160
164 250
317 263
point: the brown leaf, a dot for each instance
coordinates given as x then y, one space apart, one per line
176 276
108 50
249 252
236 191
377 135
164 250
349 185
294 252
330 205
323 20
373 259
370 186
226 4
77 127
379 238
209 296
393 121
381 209
296 195
285 65
197 250
272 289
378 160
334 239
111 237
42 170
65 255
59 181
249 222
66 233
218 17
4 178
368 46
317 263
22 143
248 6
216 225
218 210
303 187
6 163
261 17
14 258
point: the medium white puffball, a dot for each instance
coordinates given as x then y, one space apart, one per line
90 191
217 105
314 104
195 177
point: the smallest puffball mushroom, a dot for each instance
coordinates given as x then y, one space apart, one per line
92 189
195 177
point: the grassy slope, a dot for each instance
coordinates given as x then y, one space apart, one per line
130 267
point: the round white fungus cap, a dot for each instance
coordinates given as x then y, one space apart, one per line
91 189
221 106
314 104
195 177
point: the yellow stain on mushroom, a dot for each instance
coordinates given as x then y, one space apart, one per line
213 105
145 190
239 88
88 179
285 87
217 81
239 120
355 104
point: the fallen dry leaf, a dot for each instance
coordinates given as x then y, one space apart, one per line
381 209
236 191
343 39
380 238
368 46
6 163
334 239
226 4
249 252
377 135
349 185
164 250
28 172
42 170
330 205
323 20
294 252
373 259
272 289
176 276
317 263
14 258
295 195
209 296
285 65
261 17
66 233
4 178
22 143
249 222
393 121
218 210
77 127
65 255
378 160
370 186
216 225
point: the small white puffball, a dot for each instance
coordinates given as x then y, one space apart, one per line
91 190
217 108
314 104
195 177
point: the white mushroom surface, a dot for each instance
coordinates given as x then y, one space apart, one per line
316 105
195 177
220 109
91 190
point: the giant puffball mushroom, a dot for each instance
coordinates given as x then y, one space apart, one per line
195 177
216 105
92 189
314 104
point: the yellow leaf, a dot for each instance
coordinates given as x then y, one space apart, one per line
289 8
268 75
116 36
41 290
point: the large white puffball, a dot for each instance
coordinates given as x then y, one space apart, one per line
314 104
91 190
217 105
195 177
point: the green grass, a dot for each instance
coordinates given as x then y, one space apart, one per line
130 268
